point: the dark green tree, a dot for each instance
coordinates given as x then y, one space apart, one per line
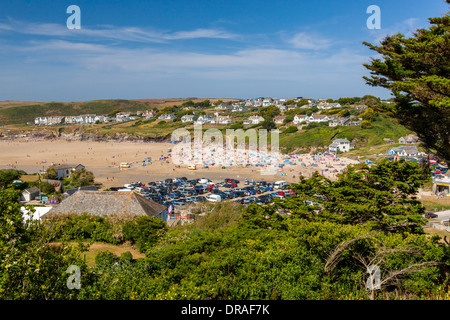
416 71
381 196
81 178
269 112
30 267
7 176
144 231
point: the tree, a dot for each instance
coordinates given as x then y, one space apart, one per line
302 102
381 196
369 115
31 268
370 100
81 178
269 112
218 102
204 104
416 71
113 113
268 124
189 103
344 113
51 173
7 176
288 102
144 231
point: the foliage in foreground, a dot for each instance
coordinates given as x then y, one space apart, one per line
254 252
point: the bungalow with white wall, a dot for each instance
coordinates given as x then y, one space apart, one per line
239 108
405 151
224 106
326 105
167 116
279 119
221 120
202 119
253 120
299 118
340 145
187 118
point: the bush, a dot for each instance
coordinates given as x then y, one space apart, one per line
291 129
366 124
126 256
144 231
81 227
106 258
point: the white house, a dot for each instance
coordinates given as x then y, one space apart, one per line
239 108
341 145
279 119
326 105
408 139
253 120
299 118
147 114
224 106
64 170
267 102
102 119
47 121
202 119
167 116
187 118
319 118
404 151
221 120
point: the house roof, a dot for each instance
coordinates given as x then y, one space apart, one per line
108 203
66 166
340 140
32 190
72 191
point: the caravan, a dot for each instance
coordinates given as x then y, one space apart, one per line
281 185
213 197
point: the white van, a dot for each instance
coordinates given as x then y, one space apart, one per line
280 184
213 197
204 180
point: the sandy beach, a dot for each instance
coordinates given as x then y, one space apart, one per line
104 158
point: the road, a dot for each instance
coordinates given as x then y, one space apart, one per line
443 215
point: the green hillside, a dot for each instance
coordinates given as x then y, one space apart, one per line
26 113
321 136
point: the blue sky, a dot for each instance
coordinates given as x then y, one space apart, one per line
207 49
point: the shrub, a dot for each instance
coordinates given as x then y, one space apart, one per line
144 231
106 258
127 256
291 129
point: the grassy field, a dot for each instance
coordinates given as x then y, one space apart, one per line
98 247
431 203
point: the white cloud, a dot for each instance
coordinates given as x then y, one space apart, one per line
405 27
133 34
303 40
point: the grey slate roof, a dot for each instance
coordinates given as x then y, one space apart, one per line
109 203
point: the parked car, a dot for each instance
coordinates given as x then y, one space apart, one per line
431 215
199 198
